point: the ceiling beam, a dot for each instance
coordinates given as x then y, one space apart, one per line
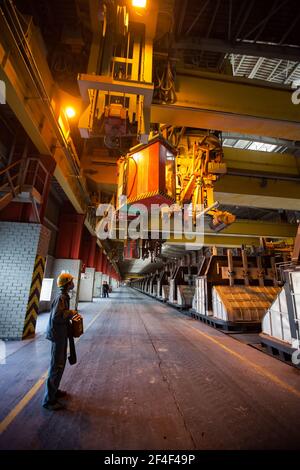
229 20
275 8
194 22
290 29
232 104
256 67
292 145
260 192
288 78
241 232
282 166
242 47
216 9
271 75
210 26
181 17
244 19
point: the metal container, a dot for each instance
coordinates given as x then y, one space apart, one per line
147 174
185 295
276 322
165 292
172 292
200 296
242 303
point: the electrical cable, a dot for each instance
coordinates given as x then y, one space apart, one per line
134 178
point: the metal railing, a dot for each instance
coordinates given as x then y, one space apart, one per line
23 174
280 268
35 175
9 178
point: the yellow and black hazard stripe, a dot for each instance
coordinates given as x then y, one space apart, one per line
34 296
150 194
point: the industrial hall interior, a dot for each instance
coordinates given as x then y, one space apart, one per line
149 225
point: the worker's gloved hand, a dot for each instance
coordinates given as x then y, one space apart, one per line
68 314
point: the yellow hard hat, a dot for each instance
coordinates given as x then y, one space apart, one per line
63 279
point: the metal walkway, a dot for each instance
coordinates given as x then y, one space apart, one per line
149 377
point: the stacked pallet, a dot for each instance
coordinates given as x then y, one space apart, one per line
242 303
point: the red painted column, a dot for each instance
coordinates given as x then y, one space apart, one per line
96 257
84 253
88 250
69 236
105 265
99 260
92 252
113 273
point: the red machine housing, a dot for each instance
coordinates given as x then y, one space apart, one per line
147 174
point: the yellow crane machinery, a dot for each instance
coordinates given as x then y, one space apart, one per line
144 178
196 175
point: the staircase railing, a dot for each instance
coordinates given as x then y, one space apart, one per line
23 176
9 180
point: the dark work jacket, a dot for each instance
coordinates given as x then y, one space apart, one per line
58 326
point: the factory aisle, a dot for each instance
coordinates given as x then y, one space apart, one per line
149 377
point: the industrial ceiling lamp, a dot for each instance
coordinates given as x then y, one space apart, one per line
70 112
139 3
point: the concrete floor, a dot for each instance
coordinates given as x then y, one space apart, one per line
149 377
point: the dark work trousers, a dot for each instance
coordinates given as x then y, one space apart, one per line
57 366
106 294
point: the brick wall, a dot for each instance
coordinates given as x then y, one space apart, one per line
44 240
18 248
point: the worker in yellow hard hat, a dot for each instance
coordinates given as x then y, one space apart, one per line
63 279
58 332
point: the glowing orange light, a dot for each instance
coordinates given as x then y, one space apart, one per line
70 112
139 3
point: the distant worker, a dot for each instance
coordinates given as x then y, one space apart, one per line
105 289
58 331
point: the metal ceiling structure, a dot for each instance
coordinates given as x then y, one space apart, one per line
236 52
285 72
208 32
